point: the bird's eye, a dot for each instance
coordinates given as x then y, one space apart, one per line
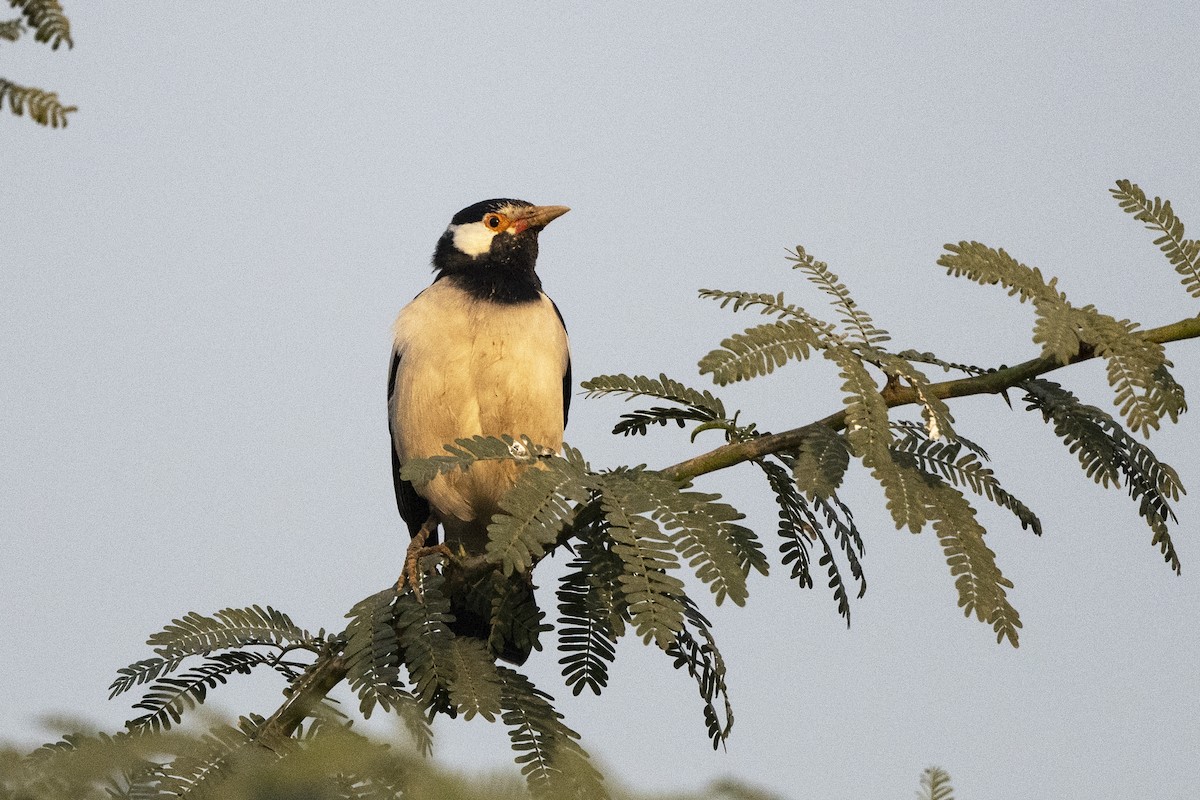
496 222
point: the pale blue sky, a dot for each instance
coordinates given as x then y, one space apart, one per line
198 276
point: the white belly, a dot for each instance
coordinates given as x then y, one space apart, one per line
475 368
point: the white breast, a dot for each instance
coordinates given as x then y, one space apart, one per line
467 368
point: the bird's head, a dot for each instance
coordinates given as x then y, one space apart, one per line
493 246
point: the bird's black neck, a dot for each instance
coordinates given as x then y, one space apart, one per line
505 275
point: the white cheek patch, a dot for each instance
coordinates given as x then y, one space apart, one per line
474 238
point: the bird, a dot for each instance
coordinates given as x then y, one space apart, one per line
482 351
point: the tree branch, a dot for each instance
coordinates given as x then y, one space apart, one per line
991 383
303 696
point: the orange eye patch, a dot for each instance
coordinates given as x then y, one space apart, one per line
496 222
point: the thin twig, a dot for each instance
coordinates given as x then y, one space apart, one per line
989 383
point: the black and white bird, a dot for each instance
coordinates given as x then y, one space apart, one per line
482 351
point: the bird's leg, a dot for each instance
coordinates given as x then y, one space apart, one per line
411 576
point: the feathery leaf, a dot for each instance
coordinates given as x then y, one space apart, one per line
948 366
981 586
771 305
935 785
536 509
12 29
1108 453
962 469
200 772
593 612
663 388
475 688
168 698
840 521
143 671
799 526
647 558
465 452
1183 253
858 321
697 406
1137 367
759 351
548 752
938 420
47 18
869 433
197 634
426 641
820 462
699 530
372 653
43 107
699 654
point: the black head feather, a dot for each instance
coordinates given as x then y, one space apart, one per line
476 212
503 274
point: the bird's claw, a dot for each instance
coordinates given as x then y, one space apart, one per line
412 574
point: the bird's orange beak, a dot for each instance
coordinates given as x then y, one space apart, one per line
536 217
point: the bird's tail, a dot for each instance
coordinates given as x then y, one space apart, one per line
502 611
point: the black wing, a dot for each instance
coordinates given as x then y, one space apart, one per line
414 509
566 375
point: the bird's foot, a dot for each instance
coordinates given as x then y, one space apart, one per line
413 574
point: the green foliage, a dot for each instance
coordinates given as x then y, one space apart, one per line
1184 254
695 650
12 29
857 321
634 530
49 25
702 530
633 533
759 351
935 785
593 612
512 612
652 593
465 452
423 633
231 627
47 19
326 762
166 700
214 757
373 655
868 430
981 586
475 690
770 305
231 630
800 526
43 106
1137 367
821 461
538 507
548 752
1109 454
947 460
697 406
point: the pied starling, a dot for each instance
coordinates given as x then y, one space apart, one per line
481 352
